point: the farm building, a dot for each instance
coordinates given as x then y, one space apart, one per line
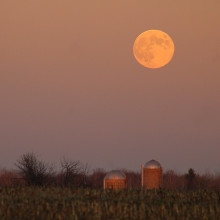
115 179
152 175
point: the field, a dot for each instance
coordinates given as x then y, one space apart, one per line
56 203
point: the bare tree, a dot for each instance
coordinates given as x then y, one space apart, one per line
190 177
173 181
97 178
33 171
133 178
73 173
10 177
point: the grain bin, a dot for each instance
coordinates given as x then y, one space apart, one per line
115 179
152 175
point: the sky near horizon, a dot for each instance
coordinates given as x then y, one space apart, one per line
70 85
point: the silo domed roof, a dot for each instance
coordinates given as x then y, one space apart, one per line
115 175
152 164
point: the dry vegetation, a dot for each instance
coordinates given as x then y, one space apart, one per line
68 203
33 172
36 191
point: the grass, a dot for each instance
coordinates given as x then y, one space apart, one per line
56 203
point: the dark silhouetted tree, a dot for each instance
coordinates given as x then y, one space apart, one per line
73 173
34 171
190 179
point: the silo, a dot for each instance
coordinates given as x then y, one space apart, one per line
152 175
115 179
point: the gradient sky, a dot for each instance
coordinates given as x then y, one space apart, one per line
70 85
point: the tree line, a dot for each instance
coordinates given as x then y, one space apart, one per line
32 171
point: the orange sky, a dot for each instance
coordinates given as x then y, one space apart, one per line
70 86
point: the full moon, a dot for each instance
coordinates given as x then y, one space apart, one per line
153 49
